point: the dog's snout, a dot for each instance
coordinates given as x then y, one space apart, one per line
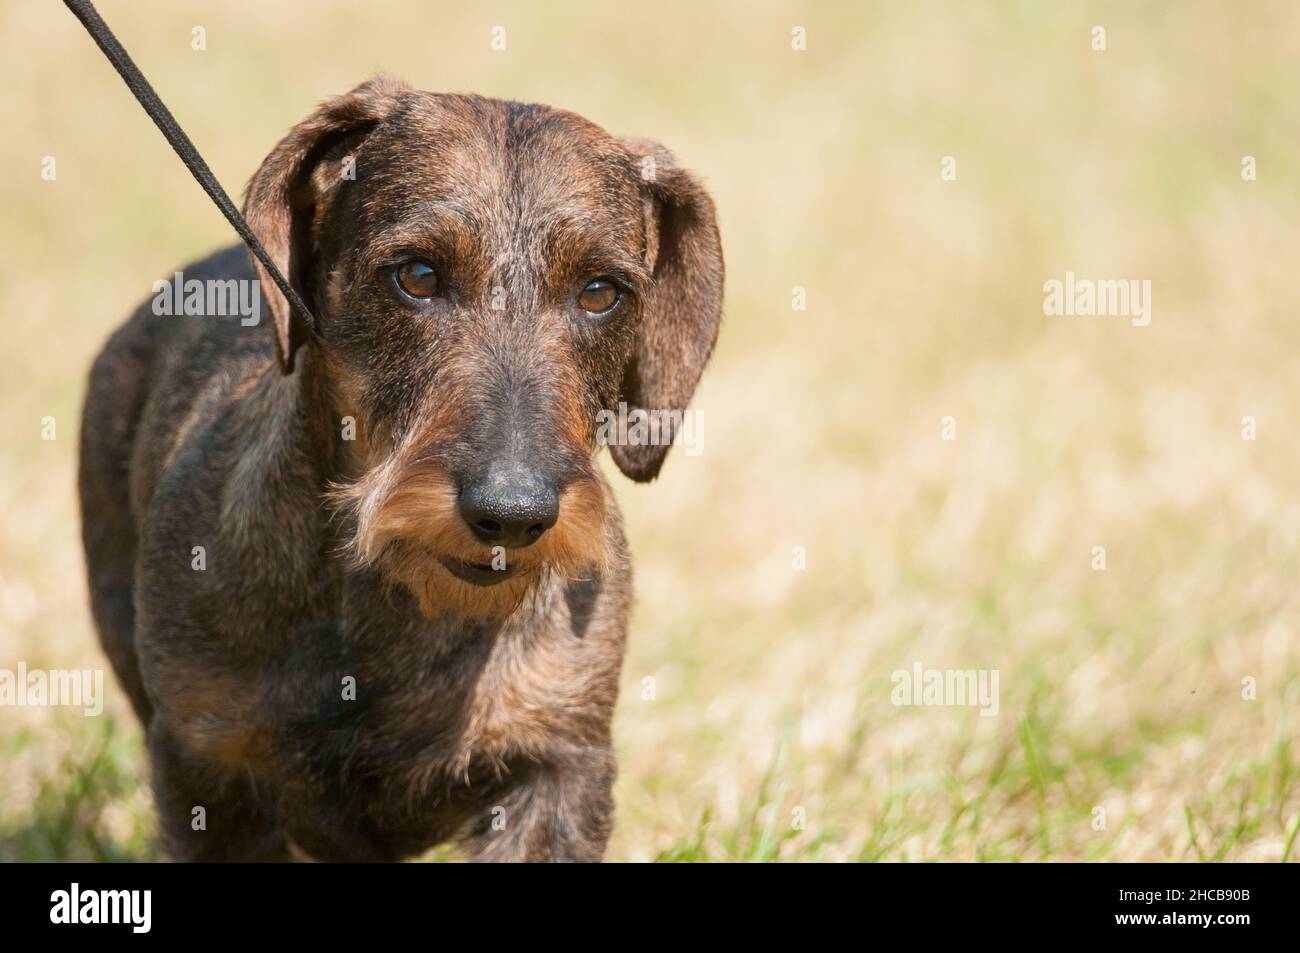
511 508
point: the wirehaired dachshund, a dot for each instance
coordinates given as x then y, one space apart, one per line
363 582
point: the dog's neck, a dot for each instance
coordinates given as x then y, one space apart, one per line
293 451
310 419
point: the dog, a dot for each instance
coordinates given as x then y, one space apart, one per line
363 582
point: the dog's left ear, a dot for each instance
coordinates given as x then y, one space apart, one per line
286 192
683 309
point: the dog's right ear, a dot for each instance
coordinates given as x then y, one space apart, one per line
284 196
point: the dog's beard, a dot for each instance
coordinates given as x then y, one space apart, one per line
407 523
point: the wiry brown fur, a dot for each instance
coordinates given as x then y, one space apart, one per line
403 514
323 685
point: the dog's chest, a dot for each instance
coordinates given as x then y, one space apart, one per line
348 722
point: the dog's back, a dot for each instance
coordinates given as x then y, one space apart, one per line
125 419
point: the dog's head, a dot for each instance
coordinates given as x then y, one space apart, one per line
488 278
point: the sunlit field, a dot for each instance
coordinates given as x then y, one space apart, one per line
904 459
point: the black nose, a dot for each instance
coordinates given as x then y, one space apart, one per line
511 508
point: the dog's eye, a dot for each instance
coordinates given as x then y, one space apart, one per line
419 279
599 296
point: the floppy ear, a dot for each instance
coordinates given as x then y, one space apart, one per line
681 313
283 196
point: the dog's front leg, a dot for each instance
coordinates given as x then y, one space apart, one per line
553 813
209 815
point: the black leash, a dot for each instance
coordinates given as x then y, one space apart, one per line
84 11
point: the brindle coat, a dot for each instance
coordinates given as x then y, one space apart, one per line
326 685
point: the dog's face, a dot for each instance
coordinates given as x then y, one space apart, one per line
487 277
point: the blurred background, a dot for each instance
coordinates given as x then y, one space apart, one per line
770 734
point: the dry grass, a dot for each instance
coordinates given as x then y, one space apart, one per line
1119 689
